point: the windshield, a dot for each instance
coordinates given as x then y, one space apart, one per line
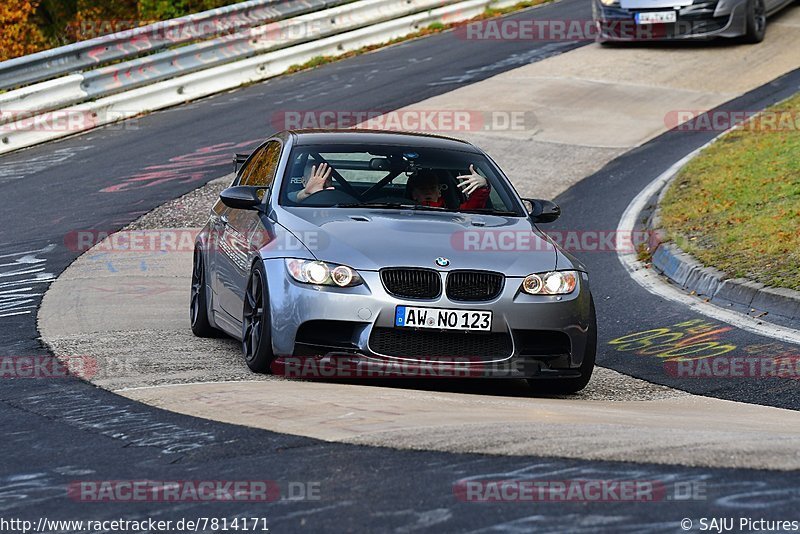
395 177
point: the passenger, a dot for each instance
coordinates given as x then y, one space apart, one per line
315 179
427 190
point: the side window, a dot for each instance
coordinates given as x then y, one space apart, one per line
261 169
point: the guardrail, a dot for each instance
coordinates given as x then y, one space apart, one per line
151 38
105 81
160 80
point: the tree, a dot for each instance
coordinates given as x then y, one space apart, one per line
19 35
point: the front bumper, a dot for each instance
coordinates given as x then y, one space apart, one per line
701 20
531 336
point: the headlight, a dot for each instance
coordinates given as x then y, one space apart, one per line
322 274
609 2
553 283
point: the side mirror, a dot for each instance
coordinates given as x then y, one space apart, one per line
243 197
542 211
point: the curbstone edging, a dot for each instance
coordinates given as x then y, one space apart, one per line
682 269
717 287
781 301
737 291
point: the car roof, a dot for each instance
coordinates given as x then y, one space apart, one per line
379 137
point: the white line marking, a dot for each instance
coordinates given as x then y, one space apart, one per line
30 310
653 283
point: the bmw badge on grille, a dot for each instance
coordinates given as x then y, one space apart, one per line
442 262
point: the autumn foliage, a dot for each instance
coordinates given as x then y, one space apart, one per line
28 26
19 35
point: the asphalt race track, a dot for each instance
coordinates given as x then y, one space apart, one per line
59 431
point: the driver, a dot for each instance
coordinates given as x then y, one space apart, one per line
426 189
315 179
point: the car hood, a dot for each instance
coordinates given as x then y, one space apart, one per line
370 240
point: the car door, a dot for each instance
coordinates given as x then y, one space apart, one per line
237 228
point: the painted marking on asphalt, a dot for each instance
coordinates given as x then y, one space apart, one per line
35 164
186 168
652 282
689 340
20 275
28 489
135 427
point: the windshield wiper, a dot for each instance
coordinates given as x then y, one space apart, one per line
393 205
491 211
389 205
422 207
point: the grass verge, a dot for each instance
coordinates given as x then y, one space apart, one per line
736 206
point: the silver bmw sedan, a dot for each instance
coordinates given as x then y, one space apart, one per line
387 250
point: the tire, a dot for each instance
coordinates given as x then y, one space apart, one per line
756 22
256 323
198 303
566 386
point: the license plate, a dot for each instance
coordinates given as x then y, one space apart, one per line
656 17
414 317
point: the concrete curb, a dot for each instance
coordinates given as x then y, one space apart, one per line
684 270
